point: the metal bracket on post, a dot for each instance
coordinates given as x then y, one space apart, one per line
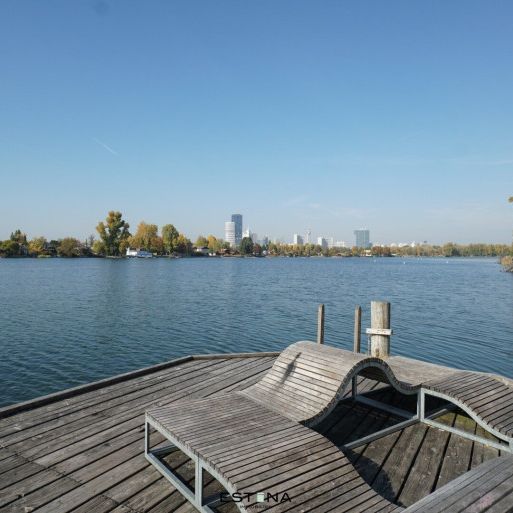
198 483
320 324
146 438
421 405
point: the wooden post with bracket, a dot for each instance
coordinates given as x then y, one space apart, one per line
380 332
320 325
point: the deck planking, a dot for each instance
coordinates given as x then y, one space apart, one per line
85 452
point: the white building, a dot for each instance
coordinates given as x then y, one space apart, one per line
248 233
308 237
340 244
298 240
331 242
229 233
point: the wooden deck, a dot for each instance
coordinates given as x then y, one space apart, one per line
83 451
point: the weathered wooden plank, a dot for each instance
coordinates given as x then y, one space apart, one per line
459 489
402 450
423 474
458 453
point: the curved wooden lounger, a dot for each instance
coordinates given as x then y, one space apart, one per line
259 440
307 380
251 449
486 399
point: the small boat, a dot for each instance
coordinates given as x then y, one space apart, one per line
138 253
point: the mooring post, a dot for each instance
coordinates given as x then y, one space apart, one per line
380 331
320 325
357 328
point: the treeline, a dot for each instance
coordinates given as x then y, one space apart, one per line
425 250
113 239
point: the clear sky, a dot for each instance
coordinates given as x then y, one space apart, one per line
328 115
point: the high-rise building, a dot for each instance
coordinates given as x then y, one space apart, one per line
237 220
298 240
362 238
308 237
340 244
229 233
331 242
321 241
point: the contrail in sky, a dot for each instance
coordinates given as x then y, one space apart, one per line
108 148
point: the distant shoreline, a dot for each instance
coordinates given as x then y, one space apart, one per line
507 262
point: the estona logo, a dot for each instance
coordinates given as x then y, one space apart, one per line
277 498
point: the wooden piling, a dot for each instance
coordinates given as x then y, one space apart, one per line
357 329
380 329
320 325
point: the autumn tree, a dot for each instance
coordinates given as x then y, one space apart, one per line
70 247
37 246
114 234
169 238
145 237
214 245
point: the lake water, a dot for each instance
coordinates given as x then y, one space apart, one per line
67 322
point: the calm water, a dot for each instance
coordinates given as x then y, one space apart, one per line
67 322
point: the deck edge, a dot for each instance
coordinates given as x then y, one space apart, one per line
13 409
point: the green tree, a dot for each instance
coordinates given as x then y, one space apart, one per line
70 247
201 242
114 234
37 246
246 246
19 237
9 248
183 245
169 238
510 199
98 247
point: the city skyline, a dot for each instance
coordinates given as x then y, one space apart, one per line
307 236
400 117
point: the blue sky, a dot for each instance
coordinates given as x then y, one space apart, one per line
328 115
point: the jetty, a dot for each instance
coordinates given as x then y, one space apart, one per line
82 450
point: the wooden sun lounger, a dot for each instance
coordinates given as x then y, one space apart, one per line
258 445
